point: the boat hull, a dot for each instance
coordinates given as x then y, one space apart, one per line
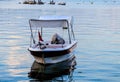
53 56
53 53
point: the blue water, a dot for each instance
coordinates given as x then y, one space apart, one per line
97 30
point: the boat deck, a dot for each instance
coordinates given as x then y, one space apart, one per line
49 46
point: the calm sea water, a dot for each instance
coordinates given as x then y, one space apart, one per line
97 30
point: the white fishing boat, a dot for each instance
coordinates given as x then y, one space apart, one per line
61 3
40 2
59 47
52 2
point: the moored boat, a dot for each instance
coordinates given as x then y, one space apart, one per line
52 2
40 2
61 3
60 47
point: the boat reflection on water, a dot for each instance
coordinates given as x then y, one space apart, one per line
54 71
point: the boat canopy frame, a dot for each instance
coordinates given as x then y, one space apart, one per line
52 22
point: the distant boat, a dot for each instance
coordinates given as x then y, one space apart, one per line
33 2
40 2
29 2
61 3
52 2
